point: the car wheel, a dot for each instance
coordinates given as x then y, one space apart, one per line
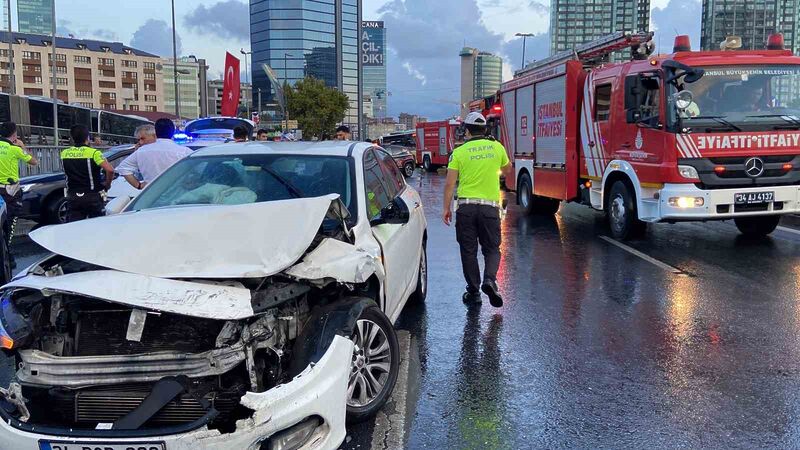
56 211
621 212
421 292
758 226
408 169
426 164
374 367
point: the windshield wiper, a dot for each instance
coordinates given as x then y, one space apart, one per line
789 118
719 119
288 184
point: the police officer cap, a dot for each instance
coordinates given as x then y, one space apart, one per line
475 118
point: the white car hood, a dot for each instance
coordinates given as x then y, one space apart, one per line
241 241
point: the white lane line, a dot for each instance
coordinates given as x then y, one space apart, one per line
789 230
390 426
641 255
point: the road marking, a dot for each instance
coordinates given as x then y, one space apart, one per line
643 256
789 230
390 423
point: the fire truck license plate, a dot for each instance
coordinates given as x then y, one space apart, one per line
749 198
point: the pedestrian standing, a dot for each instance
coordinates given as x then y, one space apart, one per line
262 135
157 153
343 133
240 134
12 151
476 166
82 166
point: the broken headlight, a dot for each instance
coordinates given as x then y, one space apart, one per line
293 437
15 330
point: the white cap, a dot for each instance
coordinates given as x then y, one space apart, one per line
475 118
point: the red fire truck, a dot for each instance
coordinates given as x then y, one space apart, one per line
693 135
436 141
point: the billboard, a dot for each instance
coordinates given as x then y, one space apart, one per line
373 37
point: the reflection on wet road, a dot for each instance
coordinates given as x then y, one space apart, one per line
596 347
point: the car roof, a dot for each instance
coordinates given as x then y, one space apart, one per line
324 148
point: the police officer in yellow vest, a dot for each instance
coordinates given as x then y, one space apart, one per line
82 166
12 151
476 167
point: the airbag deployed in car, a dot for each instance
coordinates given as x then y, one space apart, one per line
204 241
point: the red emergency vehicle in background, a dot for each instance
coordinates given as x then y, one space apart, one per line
436 141
705 135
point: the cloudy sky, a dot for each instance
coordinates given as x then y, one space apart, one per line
424 36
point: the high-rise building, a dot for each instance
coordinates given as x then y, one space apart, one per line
189 85
574 22
318 38
410 121
35 16
215 88
373 63
481 76
753 21
94 74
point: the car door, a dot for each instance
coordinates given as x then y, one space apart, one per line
393 238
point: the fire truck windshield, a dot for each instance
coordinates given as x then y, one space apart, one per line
737 98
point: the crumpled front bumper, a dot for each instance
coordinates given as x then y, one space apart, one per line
320 390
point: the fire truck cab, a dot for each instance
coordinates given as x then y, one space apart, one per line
436 141
709 135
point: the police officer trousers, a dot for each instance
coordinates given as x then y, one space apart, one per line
84 205
478 224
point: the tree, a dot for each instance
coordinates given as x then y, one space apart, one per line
316 108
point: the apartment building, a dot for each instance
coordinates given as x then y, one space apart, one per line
95 74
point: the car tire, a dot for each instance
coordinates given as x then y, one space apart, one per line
368 372
427 165
525 194
759 226
623 219
421 292
55 211
408 169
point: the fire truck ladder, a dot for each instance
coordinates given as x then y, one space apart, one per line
591 53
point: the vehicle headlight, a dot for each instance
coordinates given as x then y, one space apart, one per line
686 202
688 172
293 437
15 331
27 187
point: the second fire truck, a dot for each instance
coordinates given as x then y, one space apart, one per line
693 135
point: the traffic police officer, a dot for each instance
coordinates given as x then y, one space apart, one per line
476 166
12 151
82 166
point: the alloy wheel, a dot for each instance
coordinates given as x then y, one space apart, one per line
372 361
62 212
618 212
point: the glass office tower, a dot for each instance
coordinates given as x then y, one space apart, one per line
299 38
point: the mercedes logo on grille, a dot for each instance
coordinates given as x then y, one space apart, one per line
754 167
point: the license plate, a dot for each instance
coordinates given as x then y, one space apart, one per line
749 198
64 445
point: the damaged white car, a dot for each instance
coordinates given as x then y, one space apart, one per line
244 300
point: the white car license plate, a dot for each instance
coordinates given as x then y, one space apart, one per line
749 198
65 445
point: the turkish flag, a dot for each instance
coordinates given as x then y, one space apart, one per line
230 87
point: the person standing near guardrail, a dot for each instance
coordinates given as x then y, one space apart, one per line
154 156
82 166
12 151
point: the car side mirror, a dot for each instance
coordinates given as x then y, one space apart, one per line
396 213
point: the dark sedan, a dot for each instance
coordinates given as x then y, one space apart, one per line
43 198
403 158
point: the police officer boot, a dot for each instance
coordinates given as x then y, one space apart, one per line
490 288
471 298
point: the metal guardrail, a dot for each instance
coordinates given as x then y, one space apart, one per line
49 160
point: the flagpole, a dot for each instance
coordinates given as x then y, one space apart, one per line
175 66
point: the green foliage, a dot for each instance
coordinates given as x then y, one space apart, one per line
316 108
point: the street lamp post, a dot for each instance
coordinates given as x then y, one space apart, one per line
246 80
524 36
259 104
53 70
11 82
285 85
175 66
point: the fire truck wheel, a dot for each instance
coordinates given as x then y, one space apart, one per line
759 226
426 164
408 169
621 211
525 195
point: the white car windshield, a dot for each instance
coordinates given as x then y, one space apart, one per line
243 179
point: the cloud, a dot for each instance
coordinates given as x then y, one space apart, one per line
223 20
539 7
155 36
66 28
415 73
536 47
677 17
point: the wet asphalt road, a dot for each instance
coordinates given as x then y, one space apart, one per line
598 348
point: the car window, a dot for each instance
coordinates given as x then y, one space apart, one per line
375 186
394 179
241 179
117 158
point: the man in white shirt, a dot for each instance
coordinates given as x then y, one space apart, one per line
157 152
